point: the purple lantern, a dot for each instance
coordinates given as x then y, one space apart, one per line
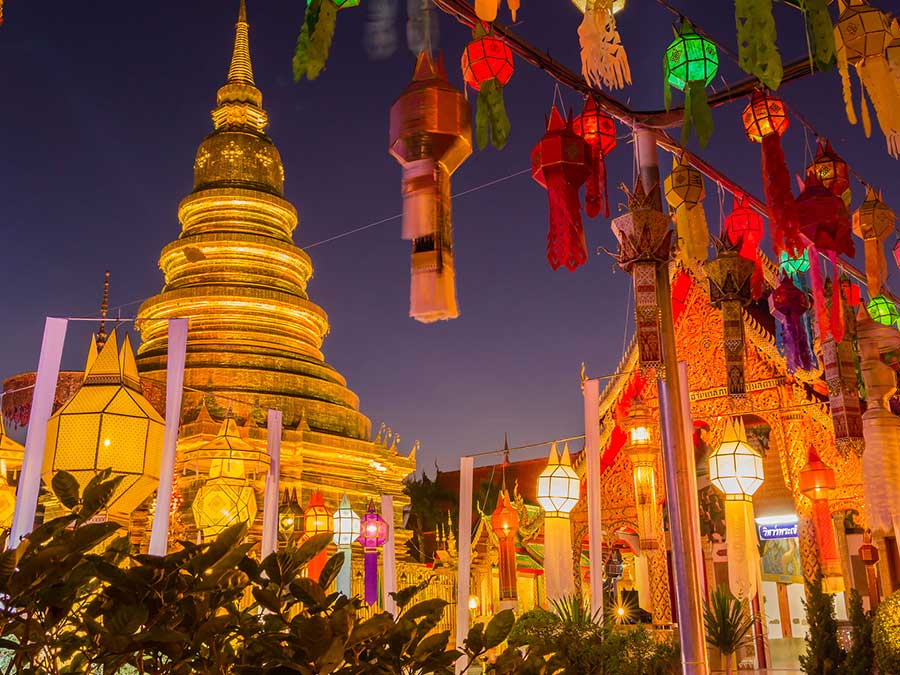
373 532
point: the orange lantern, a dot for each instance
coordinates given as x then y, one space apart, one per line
817 481
505 524
317 520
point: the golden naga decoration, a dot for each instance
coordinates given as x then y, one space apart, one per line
108 424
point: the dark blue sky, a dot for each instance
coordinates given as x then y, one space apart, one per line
104 104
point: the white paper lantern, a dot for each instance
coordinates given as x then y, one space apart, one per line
346 524
735 467
558 485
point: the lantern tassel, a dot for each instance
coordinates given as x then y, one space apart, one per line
697 114
876 266
878 82
692 231
596 196
820 33
837 308
798 354
846 84
370 576
603 58
420 194
315 39
486 10
818 291
565 238
432 294
779 198
490 116
757 53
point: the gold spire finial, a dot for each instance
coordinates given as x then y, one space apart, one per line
104 309
241 71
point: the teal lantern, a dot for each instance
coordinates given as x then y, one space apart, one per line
691 62
883 310
794 266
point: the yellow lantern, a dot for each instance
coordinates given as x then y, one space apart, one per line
558 486
642 453
108 424
227 497
617 5
11 454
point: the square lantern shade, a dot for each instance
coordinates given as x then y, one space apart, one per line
736 469
690 58
346 524
222 502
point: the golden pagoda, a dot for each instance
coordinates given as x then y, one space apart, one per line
254 337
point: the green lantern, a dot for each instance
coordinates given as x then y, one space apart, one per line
883 310
794 266
691 62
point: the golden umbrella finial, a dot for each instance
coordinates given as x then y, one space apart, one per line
104 310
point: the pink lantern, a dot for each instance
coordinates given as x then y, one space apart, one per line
373 532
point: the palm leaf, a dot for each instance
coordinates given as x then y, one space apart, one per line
728 623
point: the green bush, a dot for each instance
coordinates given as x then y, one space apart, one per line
886 635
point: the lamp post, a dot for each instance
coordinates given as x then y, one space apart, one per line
317 520
557 492
817 483
290 517
372 535
346 531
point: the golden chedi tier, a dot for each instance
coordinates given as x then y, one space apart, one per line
254 335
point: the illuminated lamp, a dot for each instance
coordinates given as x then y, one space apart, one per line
852 294
346 531
614 566
617 5
599 131
817 482
317 520
764 115
558 486
642 451
290 516
373 532
794 267
505 525
558 490
883 311
832 171
690 58
487 65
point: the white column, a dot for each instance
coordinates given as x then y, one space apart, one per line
36 439
270 500
177 347
389 574
594 496
464 556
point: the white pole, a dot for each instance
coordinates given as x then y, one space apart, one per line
270 501
390 555
464 555
177 348
594 497
36 439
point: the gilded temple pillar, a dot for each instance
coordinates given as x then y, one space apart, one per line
658 572
840 535
809 549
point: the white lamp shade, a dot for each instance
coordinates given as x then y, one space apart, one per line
558 486
346 524
735 467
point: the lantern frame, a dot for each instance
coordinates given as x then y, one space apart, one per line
883 311
504 519
764 115
690 58
486 58
684 186
290 516
317 519
794 266
831 170
373 529
743 226
346 524
816 479
736 467
596 127
558 488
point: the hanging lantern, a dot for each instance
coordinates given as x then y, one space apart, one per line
868 556
757 53
839 363
560 162
316 36
862 34
691 62
346 531
883 311
730 275
558 490
852 294
787 304
825 221
736 469
603 58
505 525
765 122
108 423
794 267
317 520
373 532
744 229
487 65
685 191
290 516
486 10
558 485
645 241
873 222
614 567
642 452
599 131
11 455
431 135
617 6
817 482
832 171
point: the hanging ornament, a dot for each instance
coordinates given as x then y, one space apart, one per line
819 32
744 229
560 162
787 304
505 525
862 34
883 311
430 136
684 193
603 58
825 221
873 222
765 122
892 53
645 241
315 38
599 131
373 532
729 276
839 365
691 62
794 267
852 294
486 10
832 171
487 65
757 53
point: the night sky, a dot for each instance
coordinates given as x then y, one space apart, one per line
105 103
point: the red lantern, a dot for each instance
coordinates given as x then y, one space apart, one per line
818 483
505 524
832 171
744 229
487 65
317 520
816 478
599 131
852 294
765 120
561 163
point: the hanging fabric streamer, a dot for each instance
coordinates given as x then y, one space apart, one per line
487 65
380 37
684 190
744 229
873 222
819 33
765 122
787 304
599 131
862 34
316 36
560 162
825 221
691 62
603 58
757 53
892 53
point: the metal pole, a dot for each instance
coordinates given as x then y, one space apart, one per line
389 554
594 498
464 555
678 456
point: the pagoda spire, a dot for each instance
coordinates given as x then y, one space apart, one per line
104 310
241 70
239 102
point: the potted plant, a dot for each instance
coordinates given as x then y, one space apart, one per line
728 624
